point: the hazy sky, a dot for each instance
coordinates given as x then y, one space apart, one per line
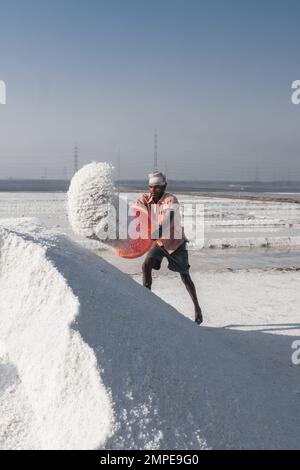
213 77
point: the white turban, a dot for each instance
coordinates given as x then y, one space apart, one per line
157 178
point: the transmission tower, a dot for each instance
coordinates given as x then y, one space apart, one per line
166 168
155 165
118 170
75 159
256 178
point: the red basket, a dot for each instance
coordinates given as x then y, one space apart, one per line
134 248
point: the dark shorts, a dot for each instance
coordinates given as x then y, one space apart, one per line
178 261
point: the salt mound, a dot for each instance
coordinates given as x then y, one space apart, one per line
80 338
51 394
89 196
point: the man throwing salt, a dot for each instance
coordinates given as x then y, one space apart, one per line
168 237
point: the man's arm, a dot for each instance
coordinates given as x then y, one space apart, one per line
170 227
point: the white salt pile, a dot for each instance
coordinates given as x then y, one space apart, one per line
92 206
89 197
51 394
91 359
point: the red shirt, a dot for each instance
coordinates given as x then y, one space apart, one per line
167 204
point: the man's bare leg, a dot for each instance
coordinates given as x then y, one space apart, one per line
147 273
190 286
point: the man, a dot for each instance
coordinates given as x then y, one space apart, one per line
164 207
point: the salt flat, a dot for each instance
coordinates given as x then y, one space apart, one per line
228 222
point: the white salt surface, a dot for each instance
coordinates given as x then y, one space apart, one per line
52 396
91 359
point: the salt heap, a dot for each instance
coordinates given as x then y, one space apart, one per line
51 393
89 197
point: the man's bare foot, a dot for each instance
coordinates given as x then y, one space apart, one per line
198 316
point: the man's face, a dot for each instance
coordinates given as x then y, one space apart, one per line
157 191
